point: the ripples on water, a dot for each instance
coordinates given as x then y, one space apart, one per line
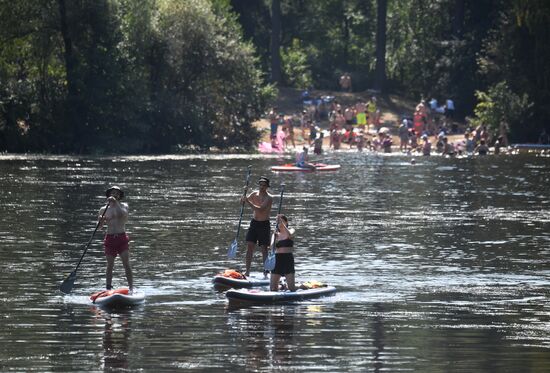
441 265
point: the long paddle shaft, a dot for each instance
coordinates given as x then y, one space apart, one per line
67 284
270 261
232 252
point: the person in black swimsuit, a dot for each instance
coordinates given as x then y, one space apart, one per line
284 259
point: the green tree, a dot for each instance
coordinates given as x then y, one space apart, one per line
295 66
498 106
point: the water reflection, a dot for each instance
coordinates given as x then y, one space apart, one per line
378 337
265 335
116 337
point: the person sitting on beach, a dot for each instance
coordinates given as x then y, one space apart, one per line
302 160
284 258
387 143
448 149
482 148
440 144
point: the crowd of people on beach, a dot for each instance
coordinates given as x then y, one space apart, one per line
359 126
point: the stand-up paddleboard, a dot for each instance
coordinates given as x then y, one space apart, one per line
256 296
233 279
318 167
117 298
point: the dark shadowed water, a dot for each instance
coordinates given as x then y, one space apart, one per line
441 266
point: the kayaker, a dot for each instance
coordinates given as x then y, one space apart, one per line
260 229
116 240
284 258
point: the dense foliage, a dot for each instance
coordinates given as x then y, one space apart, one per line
104 76
443 49
125 76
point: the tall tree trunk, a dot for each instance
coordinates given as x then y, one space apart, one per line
380 70
70 67
345 36
458 19
275 41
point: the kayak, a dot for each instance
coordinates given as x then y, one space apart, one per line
117 298
256 296
318 167
231 279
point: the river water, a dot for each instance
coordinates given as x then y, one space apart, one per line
440 266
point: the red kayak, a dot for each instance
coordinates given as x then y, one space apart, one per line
318 167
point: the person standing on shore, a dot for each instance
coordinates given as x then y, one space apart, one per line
116 240
345 82
259 230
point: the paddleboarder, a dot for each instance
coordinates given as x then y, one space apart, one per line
302 160
116 240
259 230
284 258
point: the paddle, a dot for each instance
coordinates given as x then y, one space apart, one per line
269 264
232 252
68 283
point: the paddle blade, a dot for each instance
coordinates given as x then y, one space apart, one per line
232 252
67 285
269 264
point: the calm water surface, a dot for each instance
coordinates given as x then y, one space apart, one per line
441 266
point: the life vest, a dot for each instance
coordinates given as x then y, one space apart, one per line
233 274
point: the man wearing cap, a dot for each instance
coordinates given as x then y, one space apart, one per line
259 230
116 240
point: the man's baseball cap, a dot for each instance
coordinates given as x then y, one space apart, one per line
263 179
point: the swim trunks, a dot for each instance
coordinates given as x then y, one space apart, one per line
284 264
259 232
115 244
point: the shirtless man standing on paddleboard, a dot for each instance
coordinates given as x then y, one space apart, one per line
116 240
259 230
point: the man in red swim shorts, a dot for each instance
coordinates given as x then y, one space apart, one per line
116 240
